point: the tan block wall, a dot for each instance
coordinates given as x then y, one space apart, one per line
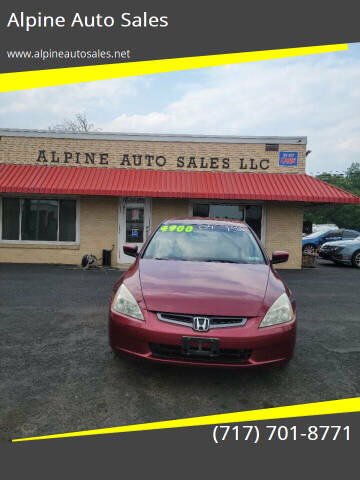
98 231
25 150
163 208
284 222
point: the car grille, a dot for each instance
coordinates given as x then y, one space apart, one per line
215 321
328 248
331 250
226 355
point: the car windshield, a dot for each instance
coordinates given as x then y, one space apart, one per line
204 243
317 234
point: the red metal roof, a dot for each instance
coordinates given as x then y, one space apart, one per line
159 183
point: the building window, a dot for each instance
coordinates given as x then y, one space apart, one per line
39 219
252 214
271 147
253 217
10 218
218 211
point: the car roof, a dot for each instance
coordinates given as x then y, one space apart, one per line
204 220
339 230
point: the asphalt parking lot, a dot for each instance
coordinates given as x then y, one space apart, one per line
57 373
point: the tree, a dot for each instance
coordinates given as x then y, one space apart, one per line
344 216
78 124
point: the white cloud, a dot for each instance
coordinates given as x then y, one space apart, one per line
67 100
319 98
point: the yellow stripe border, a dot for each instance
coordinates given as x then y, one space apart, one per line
63 76
304 410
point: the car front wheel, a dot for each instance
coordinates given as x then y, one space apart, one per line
355 259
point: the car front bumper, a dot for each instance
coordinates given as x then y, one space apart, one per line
246 346
334 256
325 255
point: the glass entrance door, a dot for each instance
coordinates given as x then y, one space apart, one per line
134 225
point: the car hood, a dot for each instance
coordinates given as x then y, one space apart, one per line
310 240
342 243
203 288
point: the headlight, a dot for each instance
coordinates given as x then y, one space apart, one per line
280 312
125 303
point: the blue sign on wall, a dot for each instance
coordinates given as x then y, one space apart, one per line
288 159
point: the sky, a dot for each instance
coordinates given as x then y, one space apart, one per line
317 96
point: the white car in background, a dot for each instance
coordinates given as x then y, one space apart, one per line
323 227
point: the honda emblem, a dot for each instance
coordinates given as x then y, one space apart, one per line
201 324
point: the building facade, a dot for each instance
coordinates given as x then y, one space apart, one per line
63 195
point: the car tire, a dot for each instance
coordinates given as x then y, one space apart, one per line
355 259
310 248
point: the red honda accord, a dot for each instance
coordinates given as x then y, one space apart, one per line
203 292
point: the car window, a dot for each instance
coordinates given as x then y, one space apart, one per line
204 243
334 234
350 234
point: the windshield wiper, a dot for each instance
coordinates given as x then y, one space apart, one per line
221 261
195 260
167 258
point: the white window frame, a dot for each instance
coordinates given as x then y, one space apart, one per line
235 202
42 242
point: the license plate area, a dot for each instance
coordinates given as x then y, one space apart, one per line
200 346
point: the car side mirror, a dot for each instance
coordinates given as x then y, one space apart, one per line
131 250
279 257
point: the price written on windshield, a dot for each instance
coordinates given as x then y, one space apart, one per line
190 228
177 228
